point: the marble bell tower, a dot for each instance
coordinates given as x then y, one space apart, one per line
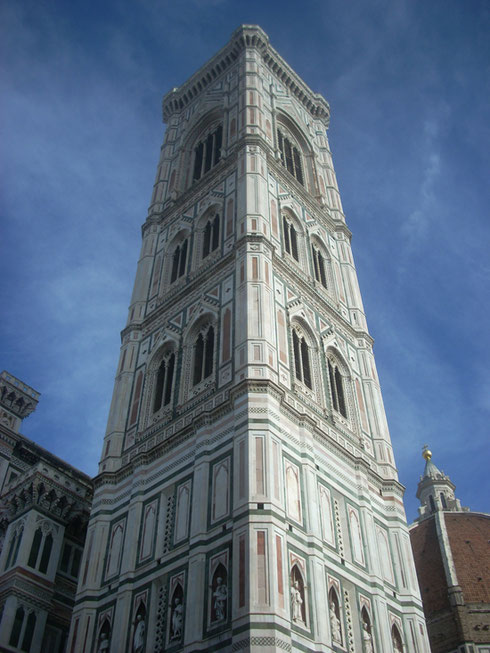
247 496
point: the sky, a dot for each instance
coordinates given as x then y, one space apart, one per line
80 133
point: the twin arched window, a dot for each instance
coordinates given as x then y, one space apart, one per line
207 153
203 355
319 266
179 261
302 363
290 155
211 236
290 238
164 382
336 387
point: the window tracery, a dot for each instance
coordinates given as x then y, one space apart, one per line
319 265
207 153
179 260
164 381
290 156
337 387
302 362
211 236
203 360
290 238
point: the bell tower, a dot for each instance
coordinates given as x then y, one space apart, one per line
247 496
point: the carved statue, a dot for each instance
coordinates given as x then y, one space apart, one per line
220 597
103 644
296 602
397 645
139 635
367 638
177 619
335 624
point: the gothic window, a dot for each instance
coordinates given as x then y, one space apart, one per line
70 560
290 238
179 260
290 155
203 355
319 266
211 236
443 501
432 503
164 382
207 153
337 387
40 551
14 548
302 363
22 629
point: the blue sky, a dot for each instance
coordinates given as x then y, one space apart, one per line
80 130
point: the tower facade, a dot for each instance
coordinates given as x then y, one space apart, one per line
247 496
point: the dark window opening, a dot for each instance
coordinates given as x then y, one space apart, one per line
301 359
36 543
290 238
203 355
179 261
211 236
165 375
290 156
319 266
207 153
337 388
17 627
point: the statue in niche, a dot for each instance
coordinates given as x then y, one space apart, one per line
103 644
177 619
367 638
335 623
397 643
296 602
220 595
139 635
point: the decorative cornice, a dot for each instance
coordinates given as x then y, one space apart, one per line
243 38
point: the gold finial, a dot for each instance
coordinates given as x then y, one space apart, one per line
426 453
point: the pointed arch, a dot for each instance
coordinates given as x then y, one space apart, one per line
293 235
339 383
208 234
219 591
176 259
176 613
334 616
396 639
298 598
200 353
304 350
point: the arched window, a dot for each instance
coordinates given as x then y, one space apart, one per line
290 238
17 627
432 503
203 355
336 387
302 364
319 265
207 153
164 382
443 501
179 261
290 155
211 236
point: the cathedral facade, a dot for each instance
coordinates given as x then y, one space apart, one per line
247 496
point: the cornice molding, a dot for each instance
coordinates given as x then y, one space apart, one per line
244 38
